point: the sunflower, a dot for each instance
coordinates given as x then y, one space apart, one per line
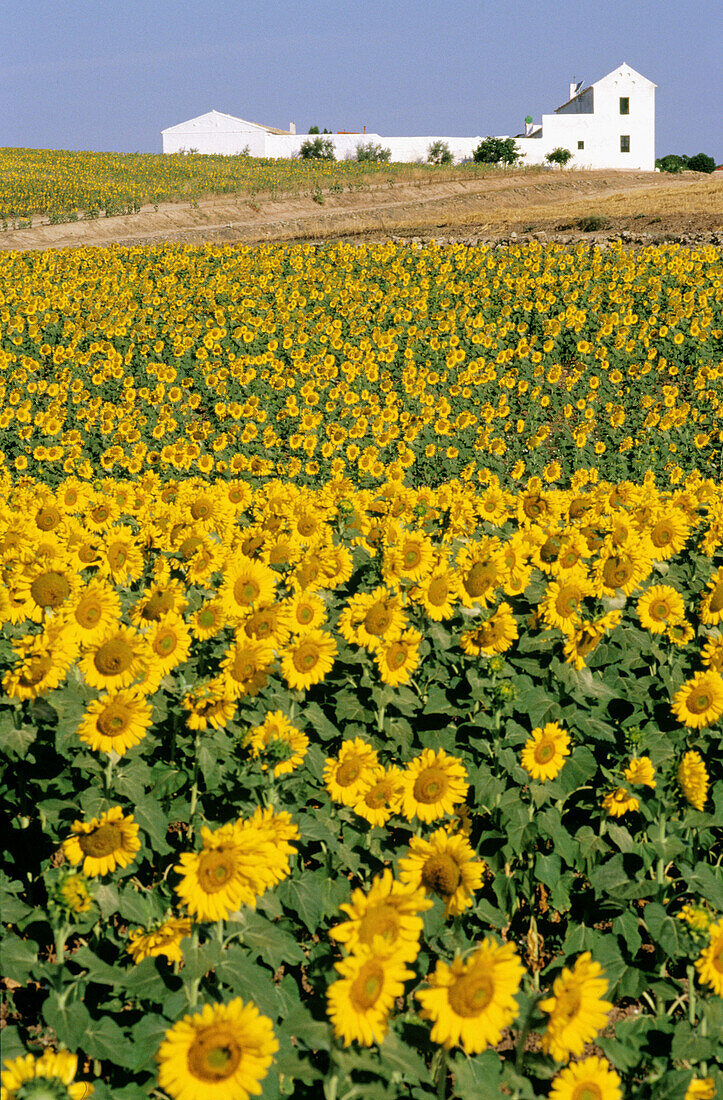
53 1072
223 1052
472 1001
246 667
640 772
121 557
267 624
115 660
680 633
710 609
346 777
621 569
45 660
169 643
584 639
563 601
710 963
207 705
46 587
397 659
115 723
481 573
208 621
668 534
279 829
160 599
370 617
388 915
380 796
712 654
590 1079
277 743
438 592
619 802
104 843
444 865
543 754
164 940
496 635
434 784
308 658
91 613
660 606
359 1002
576 1009
304 612
699 702
73 894
693 778
701 1088
232 869
247 584
411 558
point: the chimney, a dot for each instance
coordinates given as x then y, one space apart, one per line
292 127
573 89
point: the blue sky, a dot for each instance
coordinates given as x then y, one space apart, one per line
111 76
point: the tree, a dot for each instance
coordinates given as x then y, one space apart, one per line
317 148
369 152
558 156
672 162
439 153
701 162
316 130
494 150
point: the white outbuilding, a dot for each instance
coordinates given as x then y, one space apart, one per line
607 124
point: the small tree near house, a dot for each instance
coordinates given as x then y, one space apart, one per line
494 150
439 153
317 148
558 156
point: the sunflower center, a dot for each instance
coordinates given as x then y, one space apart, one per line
100 514
412 557
103 841
305 657
47 518
586 1090
699 701
480 577
367 986
112 721
430 785
568 601
550 549
379 920
246 591
42 1088
567 1005
544 751
304 614
157 605
660 611
396 655
569 559
533 506
215 868
113 657
442 875
378 795
214 1054
662 534
49 589
470 995
348 772
206 618
716 599
88 613
201 508
117 555
165 644
377 619
617 572
438 592
36 670
306 526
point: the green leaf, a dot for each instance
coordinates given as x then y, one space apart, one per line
69 1020
151 818
104 1039
477 1076
271 943
148 1034
303 894
303 1027
626 927
17 958
403 1059
15 742
12 1044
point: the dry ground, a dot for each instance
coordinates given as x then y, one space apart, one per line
487 208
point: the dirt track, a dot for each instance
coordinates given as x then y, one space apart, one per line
488 208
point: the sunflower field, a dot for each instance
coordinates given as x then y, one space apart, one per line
361 664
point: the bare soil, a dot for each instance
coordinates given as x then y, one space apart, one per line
637 206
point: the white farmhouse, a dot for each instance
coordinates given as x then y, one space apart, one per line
608 124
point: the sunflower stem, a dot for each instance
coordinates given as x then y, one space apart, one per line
108 775
660 868
194 785
193 986
60 936
691 995
440 1073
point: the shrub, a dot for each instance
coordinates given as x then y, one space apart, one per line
494 150
558 156
672 162
317 148
592 222
372 152
439 153
701 162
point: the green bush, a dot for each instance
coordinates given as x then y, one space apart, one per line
439 153
317 148
494 150
372 152
701 162
558 156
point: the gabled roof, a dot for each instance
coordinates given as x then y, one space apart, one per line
602 80
214 120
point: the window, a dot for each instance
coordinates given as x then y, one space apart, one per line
624 105
581 144
625 143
